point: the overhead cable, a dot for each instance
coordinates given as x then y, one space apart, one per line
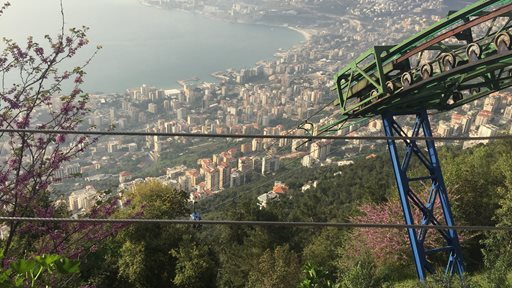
255 223
253 136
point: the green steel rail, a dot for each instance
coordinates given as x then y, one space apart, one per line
440 68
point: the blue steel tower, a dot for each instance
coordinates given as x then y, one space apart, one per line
444 67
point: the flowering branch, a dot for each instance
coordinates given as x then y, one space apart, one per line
37 100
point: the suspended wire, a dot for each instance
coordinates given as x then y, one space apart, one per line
232 199
252 136
254 223
284 175
267 182
266 151
320 110
299 123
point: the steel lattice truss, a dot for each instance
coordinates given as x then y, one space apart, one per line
461 58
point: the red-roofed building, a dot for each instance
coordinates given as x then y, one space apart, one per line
211 176
232 151
125 176
201 187
371 156
194 177
237 129
456 118
280 188
246 147
204 163
483 117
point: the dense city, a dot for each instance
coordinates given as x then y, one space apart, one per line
373 150
271 98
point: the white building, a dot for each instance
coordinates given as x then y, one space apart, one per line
269 164
4 232
487 130
83 200
320 149
265 198
308 161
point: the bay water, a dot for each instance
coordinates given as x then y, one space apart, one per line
147 45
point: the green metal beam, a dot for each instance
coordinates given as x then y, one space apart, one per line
371 70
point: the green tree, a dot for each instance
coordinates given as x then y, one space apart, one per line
239 247
145 259
321 247
361 275
473 178
498 246
141 254
195 266
316 277
278 268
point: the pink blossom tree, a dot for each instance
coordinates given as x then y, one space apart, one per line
36 99
387 246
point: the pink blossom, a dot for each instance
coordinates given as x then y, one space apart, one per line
61 138
75 92
39 52
13 163
23 122
3 178
66 108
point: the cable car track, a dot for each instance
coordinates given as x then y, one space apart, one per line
496 62
396 78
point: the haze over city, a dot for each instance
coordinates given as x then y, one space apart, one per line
266 67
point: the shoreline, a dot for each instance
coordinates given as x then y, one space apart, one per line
306 34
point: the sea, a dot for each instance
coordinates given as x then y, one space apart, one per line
146 45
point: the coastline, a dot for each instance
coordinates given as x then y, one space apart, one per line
306 34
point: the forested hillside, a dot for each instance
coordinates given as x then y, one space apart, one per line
479 181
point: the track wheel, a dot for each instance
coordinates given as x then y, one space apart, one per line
391 87
406 79
473 51
426 71
474 91
448 61
502 42
457 96
373 95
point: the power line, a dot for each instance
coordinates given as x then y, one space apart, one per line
265 183
299 123
269 181
255 223
253 136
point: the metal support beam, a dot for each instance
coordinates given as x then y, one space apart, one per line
437 196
